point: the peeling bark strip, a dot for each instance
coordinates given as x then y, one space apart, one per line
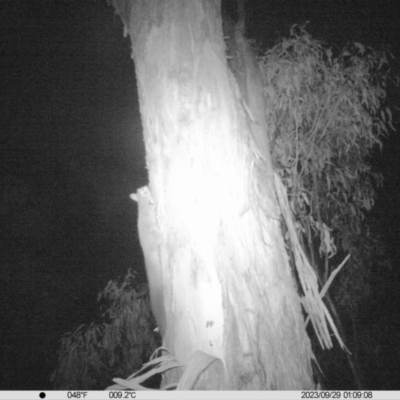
242 62
150 240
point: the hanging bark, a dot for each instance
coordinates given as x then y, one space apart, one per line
227 287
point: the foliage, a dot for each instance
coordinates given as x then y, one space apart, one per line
125 338
369 258
325 114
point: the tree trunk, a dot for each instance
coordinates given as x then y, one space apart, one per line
226 282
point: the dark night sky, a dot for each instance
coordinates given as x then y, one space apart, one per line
72 151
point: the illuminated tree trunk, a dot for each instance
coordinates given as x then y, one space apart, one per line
226 283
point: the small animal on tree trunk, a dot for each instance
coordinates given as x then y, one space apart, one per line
150 240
